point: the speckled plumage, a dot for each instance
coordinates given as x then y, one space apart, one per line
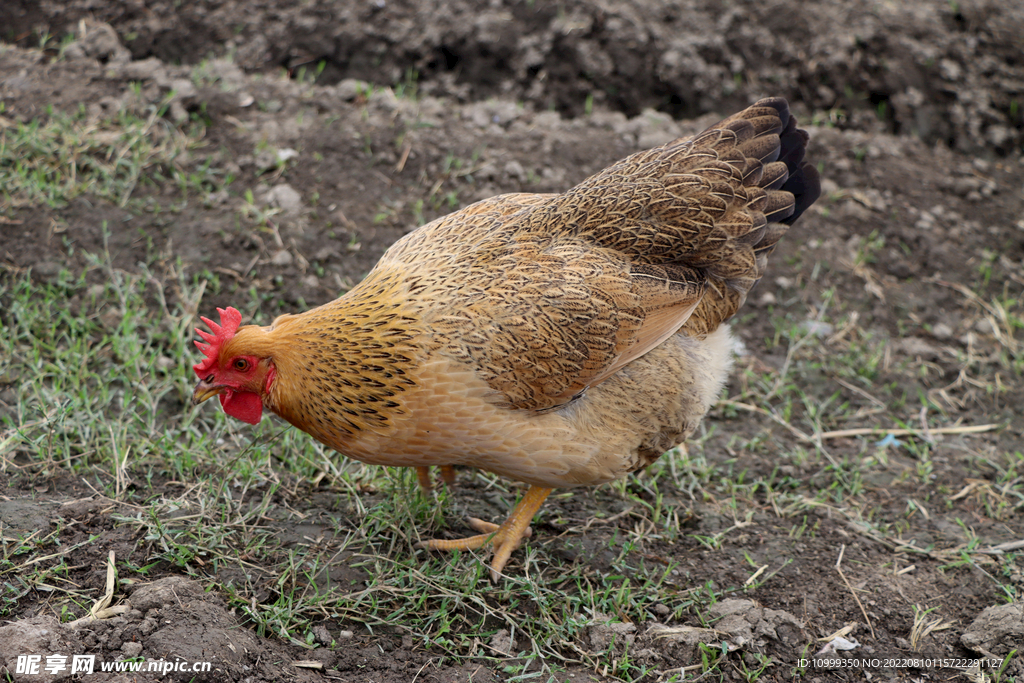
562 339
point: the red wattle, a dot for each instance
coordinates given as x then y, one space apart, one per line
244 405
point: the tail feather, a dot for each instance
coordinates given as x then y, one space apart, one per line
788 185
774 175
764 149
805 186
716 203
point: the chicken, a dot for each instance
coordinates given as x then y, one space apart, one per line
560 340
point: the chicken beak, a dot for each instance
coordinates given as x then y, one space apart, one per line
205 390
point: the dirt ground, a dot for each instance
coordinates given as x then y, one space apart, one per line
916 115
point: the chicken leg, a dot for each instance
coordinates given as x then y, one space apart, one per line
425 481
505 538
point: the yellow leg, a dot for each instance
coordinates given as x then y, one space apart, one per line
427 483
505 538
423 476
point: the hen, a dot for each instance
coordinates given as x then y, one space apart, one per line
560 340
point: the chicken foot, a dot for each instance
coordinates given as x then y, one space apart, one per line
505 538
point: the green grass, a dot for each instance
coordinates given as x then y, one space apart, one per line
100 365
51 160
93 371
292 535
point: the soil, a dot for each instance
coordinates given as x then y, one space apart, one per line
419 108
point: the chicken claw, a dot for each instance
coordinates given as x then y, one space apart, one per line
505 538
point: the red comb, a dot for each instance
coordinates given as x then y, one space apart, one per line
230 319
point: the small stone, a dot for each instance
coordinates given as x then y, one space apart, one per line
899 269
384 100
142 70
183 88
178 113
216 198
604 632
326 253
282 258
265 160
346 635
322 635
816 328
963 186
487 171
949 69
918 348
942 331
131 649
514 169
479 116
46 269
997 630
349 89
784 282
502 642
99 41
286 198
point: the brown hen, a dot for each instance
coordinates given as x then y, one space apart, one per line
560 340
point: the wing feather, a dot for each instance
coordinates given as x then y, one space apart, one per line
546 295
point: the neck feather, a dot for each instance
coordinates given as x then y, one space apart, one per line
342 368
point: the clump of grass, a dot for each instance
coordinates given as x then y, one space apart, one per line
53 159
37 562
99 370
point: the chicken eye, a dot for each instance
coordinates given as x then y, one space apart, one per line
241 364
